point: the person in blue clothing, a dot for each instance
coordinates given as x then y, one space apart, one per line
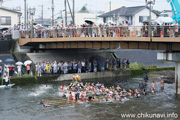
141 85
146 79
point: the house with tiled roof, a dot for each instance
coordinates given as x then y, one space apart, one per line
9 17
135 15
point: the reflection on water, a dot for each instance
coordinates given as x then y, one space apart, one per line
22 102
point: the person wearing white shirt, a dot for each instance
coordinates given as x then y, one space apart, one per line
19 70
6 80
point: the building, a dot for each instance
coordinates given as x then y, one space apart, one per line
166 13
8 17
135 15
46 21
81 16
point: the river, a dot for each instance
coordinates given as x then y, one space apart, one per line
22 103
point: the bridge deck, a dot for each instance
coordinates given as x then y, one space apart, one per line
161 43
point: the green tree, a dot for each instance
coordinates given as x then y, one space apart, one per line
84 9
157 11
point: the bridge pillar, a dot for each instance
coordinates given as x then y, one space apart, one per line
173 57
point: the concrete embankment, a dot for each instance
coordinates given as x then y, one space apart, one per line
65 77
84 76
96 75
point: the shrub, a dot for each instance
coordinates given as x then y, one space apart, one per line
136 66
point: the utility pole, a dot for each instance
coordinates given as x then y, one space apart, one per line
150 3
110 8
70 10
73 12
25 14
65 12
42 10
52 12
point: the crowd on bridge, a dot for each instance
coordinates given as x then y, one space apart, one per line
123 29
65 67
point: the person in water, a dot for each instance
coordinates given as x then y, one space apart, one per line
70 96
153 85
141 85
144 91
42 102
152 91
44 105
146 79
162 84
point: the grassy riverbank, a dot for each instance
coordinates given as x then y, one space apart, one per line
140 71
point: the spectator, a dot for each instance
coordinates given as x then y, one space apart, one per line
28 69
19 70
0 71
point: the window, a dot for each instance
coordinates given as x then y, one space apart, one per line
143 18
5 20
164 15
130 19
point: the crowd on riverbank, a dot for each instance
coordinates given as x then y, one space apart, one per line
80 66
65 67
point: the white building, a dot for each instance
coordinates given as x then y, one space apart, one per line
135 15
8 17
81 17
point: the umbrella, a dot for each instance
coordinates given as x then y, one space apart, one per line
9 60
19 63
4 29
110 21
129 23
89 21
47 25
27 62
161 20
0 60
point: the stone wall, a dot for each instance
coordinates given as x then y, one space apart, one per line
106 74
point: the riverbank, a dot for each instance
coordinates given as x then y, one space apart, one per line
167 75
107 74
66 77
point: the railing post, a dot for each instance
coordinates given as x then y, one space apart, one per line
41 34
163 31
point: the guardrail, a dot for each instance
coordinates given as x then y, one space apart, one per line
120 31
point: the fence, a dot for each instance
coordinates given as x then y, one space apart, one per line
120 31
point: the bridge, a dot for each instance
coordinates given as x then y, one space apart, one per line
131 37
124 37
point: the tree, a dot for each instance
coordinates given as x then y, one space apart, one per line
157 11
84 9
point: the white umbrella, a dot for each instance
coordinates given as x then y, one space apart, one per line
162 20
19 63
27 62
110 21
0 60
